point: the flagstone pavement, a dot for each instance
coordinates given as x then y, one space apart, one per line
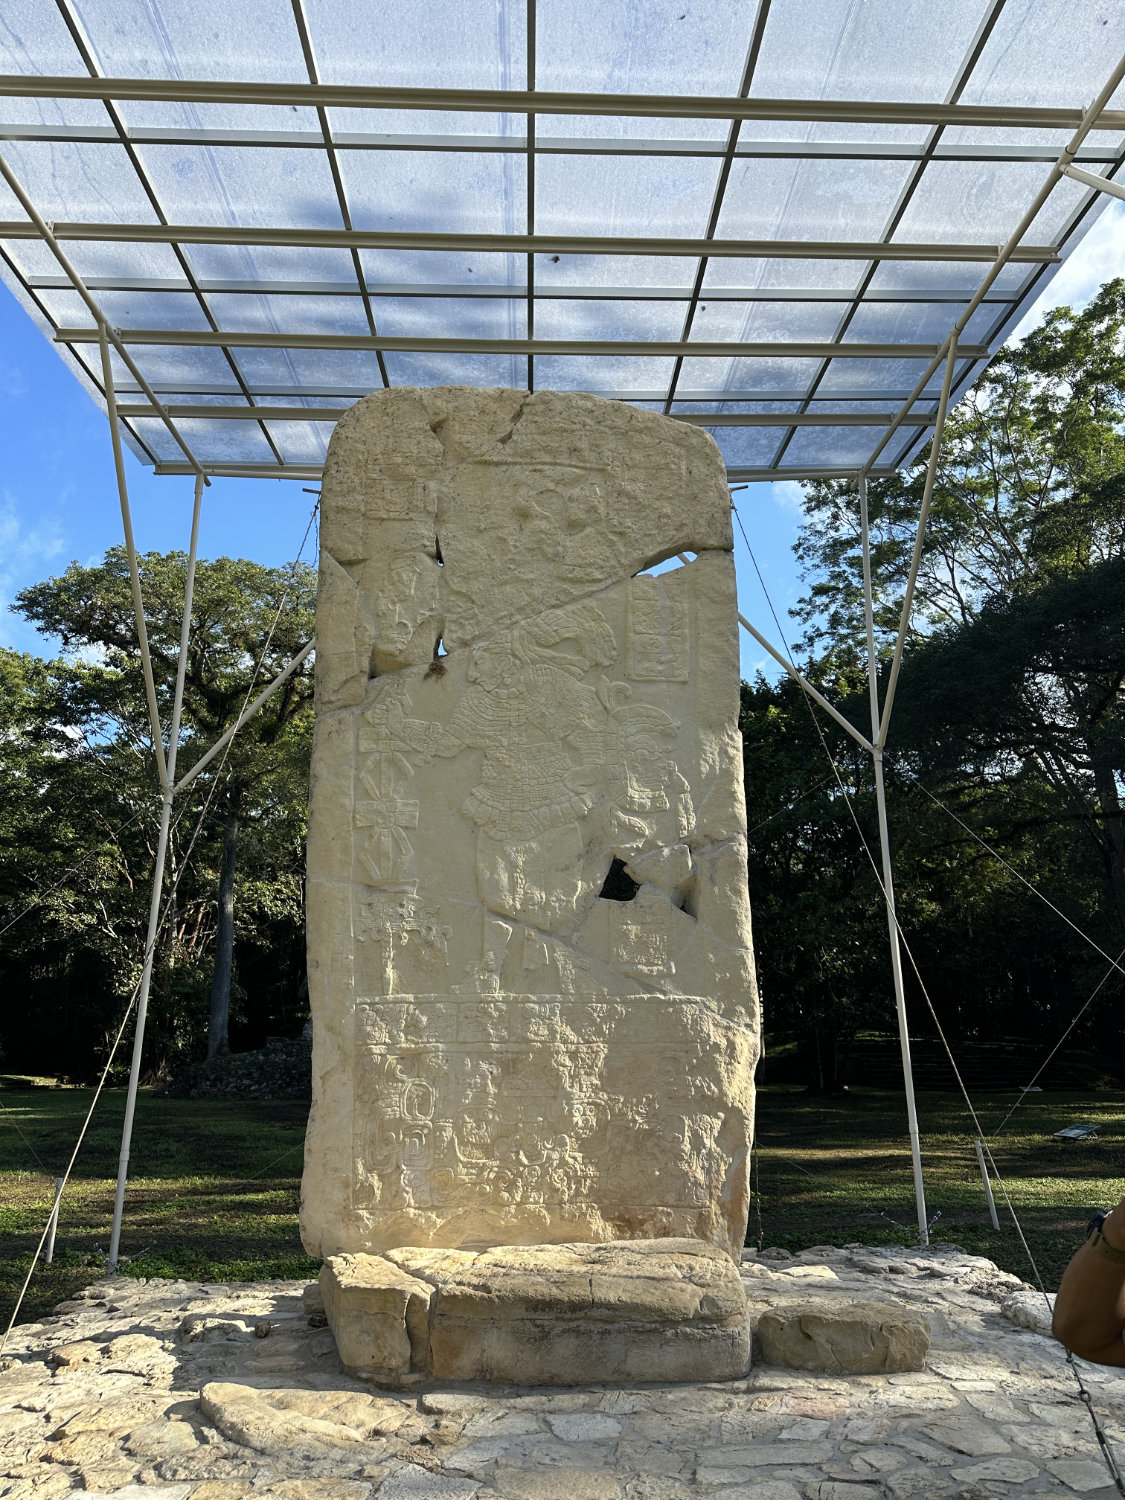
166 1390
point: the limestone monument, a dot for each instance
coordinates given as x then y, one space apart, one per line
535 1018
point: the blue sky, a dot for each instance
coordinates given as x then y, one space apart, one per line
58 497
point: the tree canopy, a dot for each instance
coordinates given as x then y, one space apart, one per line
80 806
1010 710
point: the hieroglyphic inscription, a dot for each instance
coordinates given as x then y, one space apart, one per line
511 1103
390 920
386 855
657 643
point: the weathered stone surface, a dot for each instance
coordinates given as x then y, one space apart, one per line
630 1441
415 1483
379 1314
541 1315
1084 1476
845 1338
509 1050
295 1422
1029 1309
967 1435
1007 1470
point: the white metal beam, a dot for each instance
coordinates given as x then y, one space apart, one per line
40 229
1092 180
248 713
888 876
1092 119
919 541
699 348
545 145
314 471
134 571
525 244
544 291
217 413
541 102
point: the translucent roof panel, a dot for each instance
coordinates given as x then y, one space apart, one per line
835 49
663 47
771 214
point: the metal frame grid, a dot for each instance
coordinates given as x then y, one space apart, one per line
805 390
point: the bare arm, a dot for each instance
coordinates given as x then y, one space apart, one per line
1090 1308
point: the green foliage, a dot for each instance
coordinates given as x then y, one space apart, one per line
79 805
1029 488
1010 711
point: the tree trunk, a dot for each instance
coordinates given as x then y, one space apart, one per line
218 1026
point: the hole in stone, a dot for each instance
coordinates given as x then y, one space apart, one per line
664 563
685 898
619 884
437 665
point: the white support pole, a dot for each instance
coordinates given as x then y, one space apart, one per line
888 877
987 1185
1091 179
782 661
134 571
158 872
247 713
803 682
49 1252
185 629
139 1032
879 730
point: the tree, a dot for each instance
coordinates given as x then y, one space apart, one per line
1010 707
814 897
248 621
1031 692
1030 487
1018 650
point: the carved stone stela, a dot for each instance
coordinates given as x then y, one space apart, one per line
529 937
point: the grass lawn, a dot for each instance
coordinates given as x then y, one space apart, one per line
215 1190
213 1195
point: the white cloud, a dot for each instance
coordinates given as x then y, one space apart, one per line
1098 259
789 496
26 553
13 382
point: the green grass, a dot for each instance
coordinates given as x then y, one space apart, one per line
214 1190
215 1186
827 1169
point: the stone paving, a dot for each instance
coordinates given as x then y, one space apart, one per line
169 1390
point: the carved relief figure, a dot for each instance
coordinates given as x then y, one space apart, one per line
501 1055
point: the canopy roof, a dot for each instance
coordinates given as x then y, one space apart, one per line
765 222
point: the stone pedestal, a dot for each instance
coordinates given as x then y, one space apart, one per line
657 1310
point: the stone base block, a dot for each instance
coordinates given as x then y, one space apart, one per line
844 1338
651 1310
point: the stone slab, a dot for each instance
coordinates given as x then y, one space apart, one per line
844 1338
530 970
659 1310
379 1315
